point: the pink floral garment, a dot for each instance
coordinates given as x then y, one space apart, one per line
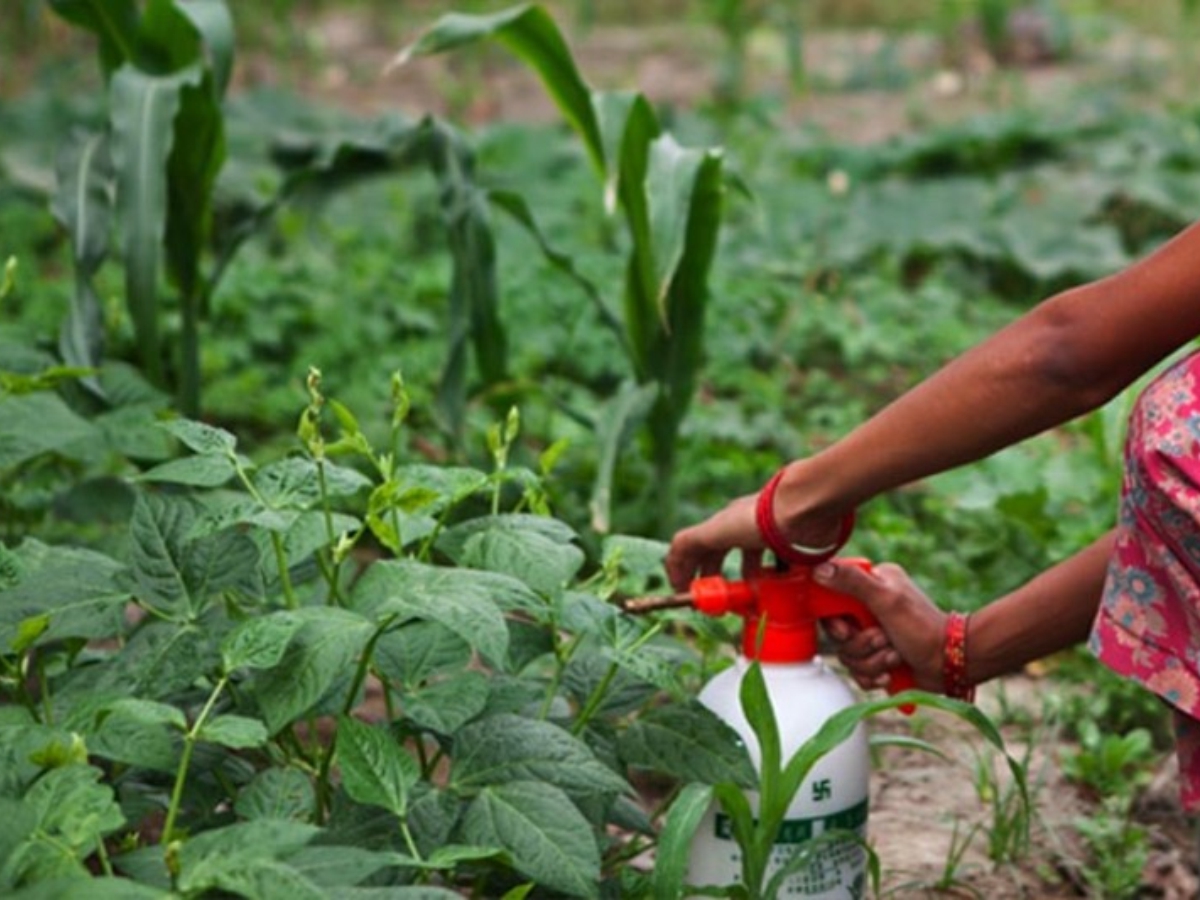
1148 627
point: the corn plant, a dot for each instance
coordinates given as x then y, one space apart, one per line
154 172
166 66
756 821
671 198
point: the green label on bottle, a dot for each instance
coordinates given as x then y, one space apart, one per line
797 831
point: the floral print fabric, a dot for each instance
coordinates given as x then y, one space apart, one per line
1148 627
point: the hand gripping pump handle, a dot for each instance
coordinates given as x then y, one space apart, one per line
780 610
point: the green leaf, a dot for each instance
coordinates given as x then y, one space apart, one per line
98 888
615 426
547 837
675 841
518 208
504 748
73 810
418 651
143 110
40 423
237 732
158 532
264 839
60 592
83 205
202 438
277 793
376 770
335 867
689 742
115 23
324 649
446 705
465 601
548 566
195 471
530 33
214 24
260 643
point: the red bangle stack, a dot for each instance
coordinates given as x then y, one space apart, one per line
785 551
954 661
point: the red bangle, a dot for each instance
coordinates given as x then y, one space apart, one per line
785 551
954 660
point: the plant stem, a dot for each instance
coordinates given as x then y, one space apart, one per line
189 744
594 700
360 676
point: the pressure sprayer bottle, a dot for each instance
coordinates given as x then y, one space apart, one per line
780 611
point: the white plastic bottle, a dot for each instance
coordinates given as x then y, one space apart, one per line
780 611
833 796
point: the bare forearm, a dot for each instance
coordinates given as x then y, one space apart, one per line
1050 613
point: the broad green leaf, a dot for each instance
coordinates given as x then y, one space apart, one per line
295 483
264 839
446 705
412 892
40 423
243 875
91 888
688 742
530 33
467 602
60 592
310 532
546 836
375 769
160 659
614 428
150 712
324 649
418 651
547 566
277 793
237 732
143 110
74 810
336 867
207 470
675 841
137 732
202 438
158 536
260 643
504 748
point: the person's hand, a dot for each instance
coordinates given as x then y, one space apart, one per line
911 628
701 549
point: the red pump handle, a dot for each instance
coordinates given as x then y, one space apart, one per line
791 603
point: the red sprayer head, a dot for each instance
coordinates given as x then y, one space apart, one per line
780 610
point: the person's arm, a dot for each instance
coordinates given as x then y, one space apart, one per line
1063 358
1053 611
